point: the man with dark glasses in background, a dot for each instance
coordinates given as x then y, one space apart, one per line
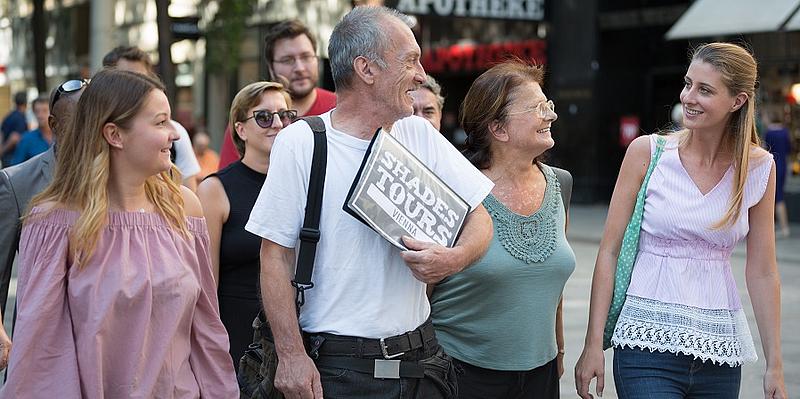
290 52
19 183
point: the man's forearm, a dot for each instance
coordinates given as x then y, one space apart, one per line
475 237
278 297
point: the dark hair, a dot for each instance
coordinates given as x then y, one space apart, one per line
21 98
40 100
130 53
775 116
487 101
288 29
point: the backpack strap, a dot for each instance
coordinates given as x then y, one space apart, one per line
565 181
310 234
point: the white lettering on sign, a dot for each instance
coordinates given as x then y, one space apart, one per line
504 9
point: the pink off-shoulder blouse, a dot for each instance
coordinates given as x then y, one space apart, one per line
139 320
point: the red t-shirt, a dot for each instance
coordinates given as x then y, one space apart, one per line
326 101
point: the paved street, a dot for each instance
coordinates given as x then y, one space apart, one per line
586 227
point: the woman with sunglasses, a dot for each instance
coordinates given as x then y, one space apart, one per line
115 293
500 318
258 112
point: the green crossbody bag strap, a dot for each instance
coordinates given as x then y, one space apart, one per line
629 250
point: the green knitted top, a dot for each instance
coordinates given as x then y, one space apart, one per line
499 313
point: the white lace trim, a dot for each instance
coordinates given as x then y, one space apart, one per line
719 335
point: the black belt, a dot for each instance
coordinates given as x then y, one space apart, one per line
386 348
378 368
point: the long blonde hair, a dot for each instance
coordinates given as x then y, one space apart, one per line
739 74
83 161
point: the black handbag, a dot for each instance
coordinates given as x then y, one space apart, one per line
259 363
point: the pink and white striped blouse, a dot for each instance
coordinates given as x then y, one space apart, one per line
683 297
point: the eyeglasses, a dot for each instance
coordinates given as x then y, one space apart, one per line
265 118
292 61
542 109
68 87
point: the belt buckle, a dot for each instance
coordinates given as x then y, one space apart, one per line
386 369
385 352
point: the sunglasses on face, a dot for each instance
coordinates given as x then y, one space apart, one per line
68 87
265 118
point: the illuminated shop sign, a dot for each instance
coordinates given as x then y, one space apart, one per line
471 58
532 10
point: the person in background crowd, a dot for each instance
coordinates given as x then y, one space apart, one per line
367 294
290 52
128 58
676 116
517 352
37 140
779 144
14 125
428 102
206 157
116 295
682 332
258 112
19 183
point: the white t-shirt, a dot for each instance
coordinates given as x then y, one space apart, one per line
362 287
185 160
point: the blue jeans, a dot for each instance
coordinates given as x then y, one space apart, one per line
665 375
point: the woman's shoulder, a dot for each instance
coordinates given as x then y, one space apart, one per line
639 148
759 154
191 204
760 158
52 213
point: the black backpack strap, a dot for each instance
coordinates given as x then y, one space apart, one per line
310 234
565 181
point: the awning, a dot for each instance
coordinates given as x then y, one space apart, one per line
794 23
706 18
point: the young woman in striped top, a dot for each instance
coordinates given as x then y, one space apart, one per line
682 331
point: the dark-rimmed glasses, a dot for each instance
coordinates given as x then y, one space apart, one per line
265 118
290 61
68 87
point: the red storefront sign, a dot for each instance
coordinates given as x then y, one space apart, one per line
628 129
472 58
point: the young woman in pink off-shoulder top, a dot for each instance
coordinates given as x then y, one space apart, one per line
115 295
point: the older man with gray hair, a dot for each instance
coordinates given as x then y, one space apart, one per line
367 317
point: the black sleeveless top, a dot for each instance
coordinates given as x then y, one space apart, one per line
239 249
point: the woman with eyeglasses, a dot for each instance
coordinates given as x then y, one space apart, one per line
500 318
115 292
258 112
